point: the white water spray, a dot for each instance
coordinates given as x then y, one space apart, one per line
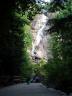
39 36
40 33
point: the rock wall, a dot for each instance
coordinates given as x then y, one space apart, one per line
40 44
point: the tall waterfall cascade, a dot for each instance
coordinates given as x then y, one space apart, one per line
40 42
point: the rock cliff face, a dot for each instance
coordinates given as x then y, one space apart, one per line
40 44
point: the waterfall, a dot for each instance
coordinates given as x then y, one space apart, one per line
41 39
39 36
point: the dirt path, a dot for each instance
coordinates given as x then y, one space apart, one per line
33 89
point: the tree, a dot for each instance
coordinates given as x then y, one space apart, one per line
14 19
59 67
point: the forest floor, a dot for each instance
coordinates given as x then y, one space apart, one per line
32 89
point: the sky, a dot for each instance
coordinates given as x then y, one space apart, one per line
44 0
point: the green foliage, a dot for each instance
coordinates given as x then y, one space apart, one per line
32 11
15 37
28 38
56 45
67 10
54 6
59 67
39 70
26 67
